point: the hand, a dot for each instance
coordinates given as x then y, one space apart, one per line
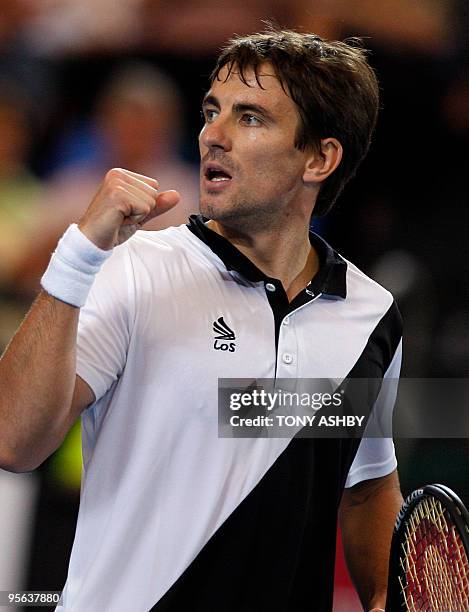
125 201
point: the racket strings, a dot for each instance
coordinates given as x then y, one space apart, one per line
434 565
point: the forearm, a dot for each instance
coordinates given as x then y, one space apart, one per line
37 379
367 517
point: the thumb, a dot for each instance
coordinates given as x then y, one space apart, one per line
165 200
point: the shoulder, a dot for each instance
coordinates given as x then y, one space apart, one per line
171 239
174 252
367 297
363 290
148 251
371 307
152 246
358 281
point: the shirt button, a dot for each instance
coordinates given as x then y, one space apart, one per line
270 287
286 321
287 358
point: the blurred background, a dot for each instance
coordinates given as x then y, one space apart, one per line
90 84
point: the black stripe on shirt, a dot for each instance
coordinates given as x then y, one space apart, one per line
276 551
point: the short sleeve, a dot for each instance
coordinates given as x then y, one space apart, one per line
105 323
376 456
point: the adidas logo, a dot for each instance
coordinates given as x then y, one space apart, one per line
222 334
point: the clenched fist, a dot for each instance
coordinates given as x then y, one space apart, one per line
125 201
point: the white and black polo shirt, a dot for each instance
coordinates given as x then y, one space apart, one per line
173 517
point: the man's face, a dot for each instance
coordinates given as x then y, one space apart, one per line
250 169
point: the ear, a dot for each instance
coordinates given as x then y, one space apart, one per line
322 163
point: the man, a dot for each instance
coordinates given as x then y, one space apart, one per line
172 517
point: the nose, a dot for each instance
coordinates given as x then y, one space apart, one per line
216 135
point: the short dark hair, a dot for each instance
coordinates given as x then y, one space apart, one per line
332 84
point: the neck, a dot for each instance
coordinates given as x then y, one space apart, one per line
285 254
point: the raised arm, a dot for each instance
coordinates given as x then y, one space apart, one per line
40 394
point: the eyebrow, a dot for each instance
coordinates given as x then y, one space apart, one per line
240 107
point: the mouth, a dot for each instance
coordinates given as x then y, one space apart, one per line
216 177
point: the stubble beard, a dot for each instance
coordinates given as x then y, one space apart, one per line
243 215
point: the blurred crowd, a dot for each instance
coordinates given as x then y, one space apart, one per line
86 85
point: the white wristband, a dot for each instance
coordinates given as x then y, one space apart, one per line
72 267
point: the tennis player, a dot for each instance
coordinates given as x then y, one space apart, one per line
133 329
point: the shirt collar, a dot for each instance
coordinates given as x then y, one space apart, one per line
330 280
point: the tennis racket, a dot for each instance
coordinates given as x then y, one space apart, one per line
429 559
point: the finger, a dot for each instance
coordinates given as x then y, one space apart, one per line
140 196
148 180
136 182
133 203
164 202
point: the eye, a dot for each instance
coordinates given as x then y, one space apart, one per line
251 120
208 114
